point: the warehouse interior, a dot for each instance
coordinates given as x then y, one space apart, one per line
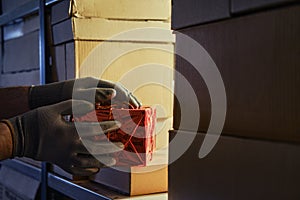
218 82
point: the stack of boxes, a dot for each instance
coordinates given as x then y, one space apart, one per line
255 45
129 42
20 48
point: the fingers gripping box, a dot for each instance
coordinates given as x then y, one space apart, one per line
137 132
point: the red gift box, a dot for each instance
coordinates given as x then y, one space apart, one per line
137 132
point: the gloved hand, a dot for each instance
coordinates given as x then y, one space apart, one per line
89 89
43 134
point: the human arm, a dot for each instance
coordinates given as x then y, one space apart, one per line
18 100
6 145
44 134
13 101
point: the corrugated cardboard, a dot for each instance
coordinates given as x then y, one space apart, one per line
246 5
149 94
136 182
236 169
192 12
257 57
104 29
123 9
128 64
93 24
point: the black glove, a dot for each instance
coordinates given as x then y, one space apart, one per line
89 89
44 134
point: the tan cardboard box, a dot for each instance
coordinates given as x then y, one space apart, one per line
91 60
123 9
135 182
144 68
105 29
143 62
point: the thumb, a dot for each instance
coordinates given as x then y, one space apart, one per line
75 107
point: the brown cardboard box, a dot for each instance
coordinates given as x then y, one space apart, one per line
8 5
103 29
123 9
60 61
21 54
70 60
138 10
257 57
136 182
246 5
22 78
62 32
60 11
91 28
235 169
21 27
192 12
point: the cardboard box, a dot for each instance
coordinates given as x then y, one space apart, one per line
123 9
90 52
60 11
137 132
238 6
104 29
140 180
94 58
133 183
257 57
137 182
21 27
22 78
235 169
70 60
8 5
62 32
21 54
139 10
192 12
60 61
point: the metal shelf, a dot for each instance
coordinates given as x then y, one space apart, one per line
23 168
80 189
88 190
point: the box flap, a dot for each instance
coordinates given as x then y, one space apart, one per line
123 9
104 29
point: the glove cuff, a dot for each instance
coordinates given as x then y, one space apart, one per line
16 130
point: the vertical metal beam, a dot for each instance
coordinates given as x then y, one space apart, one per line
43 64
42 42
